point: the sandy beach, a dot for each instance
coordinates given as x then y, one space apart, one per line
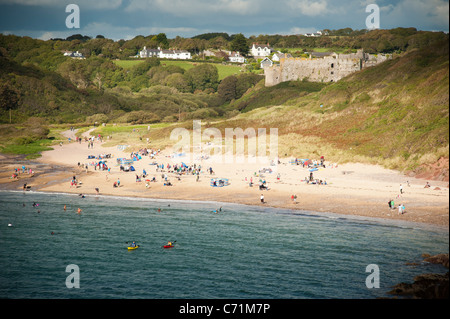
352 189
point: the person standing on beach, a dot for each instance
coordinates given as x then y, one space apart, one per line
262 198
401 189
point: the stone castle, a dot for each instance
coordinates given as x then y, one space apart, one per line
325 67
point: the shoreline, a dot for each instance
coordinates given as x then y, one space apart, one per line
352 189
332 215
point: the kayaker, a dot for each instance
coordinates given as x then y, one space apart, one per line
133 244
169 243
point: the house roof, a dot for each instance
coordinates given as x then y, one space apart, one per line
282 55
235 55
262 45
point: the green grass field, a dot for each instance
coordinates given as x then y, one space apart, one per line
224 70
32 150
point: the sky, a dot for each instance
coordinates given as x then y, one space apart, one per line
125 19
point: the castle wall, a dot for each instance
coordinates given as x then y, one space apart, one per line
327 69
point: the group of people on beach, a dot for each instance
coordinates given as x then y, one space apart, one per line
400 207
23 170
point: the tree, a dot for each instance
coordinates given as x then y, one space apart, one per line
205 76
178 81
9 99
161 38
239 44
227 88
142 68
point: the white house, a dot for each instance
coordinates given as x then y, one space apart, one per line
317 34
266 62
258 50
74 55
165 54
182 54
148 53
235 57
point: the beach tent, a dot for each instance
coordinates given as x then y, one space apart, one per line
122 160
178 155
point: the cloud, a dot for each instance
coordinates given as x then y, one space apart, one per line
124 19
299 30
309 7
115 32
194 7
414 12
83 4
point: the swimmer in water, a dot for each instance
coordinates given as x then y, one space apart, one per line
79 210
65 207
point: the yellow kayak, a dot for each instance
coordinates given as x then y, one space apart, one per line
133 248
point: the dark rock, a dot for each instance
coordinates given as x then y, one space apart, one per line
438 259
427 286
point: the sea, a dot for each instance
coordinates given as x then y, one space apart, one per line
238 252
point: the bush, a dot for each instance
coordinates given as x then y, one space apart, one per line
23 140
99 118
201 114
139 117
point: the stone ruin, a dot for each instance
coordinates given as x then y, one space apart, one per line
329 68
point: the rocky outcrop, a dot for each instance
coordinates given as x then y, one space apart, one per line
426 286
437 259
438 171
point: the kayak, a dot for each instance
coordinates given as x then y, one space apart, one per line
133 248
168 246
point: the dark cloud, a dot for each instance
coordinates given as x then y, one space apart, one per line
123 19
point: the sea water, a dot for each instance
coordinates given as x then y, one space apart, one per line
241 252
